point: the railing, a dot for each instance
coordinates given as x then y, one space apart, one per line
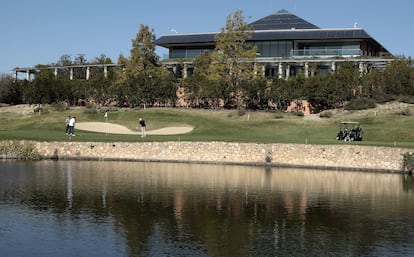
326 52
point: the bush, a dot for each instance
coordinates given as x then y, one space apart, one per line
407 99
109 109
327 114
360 104
408 162
278 116
242 112
384 98
90 110
18 150
405 112
299 114
40 110
60 107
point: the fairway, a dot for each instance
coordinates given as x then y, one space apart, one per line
383 126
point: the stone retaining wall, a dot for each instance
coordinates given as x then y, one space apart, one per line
348 156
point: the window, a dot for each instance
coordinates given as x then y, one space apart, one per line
274 48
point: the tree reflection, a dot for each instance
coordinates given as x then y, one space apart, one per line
224 210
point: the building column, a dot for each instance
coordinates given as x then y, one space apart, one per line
333 67
287 71
185 71
55 72
313 69
175 70
15 75
88 73
71 73
28 75
280 71
362 69
306 69
105 72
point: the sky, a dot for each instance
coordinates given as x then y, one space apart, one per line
41 31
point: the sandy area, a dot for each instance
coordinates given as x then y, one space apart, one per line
101 127
112 128
24 109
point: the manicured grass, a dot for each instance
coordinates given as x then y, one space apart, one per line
211 125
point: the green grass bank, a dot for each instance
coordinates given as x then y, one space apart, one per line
383 126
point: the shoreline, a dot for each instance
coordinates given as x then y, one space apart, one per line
330 157
333 157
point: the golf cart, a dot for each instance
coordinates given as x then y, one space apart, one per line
350 131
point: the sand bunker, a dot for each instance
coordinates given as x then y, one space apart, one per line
111 128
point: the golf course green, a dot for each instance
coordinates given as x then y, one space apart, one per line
390 124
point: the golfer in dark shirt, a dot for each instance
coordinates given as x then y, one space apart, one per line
143 127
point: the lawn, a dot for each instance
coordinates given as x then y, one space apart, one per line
384 129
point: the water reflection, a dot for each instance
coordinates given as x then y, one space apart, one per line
160 209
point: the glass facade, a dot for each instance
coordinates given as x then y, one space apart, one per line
327 49
188 52
284 48
274 48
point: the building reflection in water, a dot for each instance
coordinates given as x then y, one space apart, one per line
69 184
212 206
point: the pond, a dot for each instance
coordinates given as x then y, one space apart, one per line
90 208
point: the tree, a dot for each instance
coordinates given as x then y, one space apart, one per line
102 59
233 56
10 90
278 94
45 88
80 59
143 77
373 86
198 86
346 83
65 60
319 92
398 78
254 93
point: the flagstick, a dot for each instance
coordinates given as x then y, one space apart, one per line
106 126
106 123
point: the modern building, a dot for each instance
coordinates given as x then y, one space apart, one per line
287 45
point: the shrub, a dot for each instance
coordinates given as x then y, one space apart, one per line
40 110
327 114
242 112
18 150
408 162
383 98
407 99
90 110
405 112
360 104
278 116
60 107
299 114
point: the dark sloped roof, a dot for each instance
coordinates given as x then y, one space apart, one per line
186 39
290 34
280 21
316 34
279 26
